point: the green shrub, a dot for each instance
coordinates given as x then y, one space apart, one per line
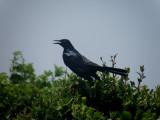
59 95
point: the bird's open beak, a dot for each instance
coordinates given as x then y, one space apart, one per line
57 42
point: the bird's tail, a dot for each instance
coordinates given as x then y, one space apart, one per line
114 70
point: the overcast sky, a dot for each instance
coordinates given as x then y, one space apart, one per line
96 28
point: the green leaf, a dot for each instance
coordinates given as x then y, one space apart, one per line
132 83
139 114
139 80
142 68
84 100
59 71
84 108
126 115
114 114
75 114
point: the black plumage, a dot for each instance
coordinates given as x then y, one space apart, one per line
81 65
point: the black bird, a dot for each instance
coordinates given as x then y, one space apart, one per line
81 65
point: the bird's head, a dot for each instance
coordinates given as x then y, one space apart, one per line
65 43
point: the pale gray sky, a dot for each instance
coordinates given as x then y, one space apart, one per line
95 27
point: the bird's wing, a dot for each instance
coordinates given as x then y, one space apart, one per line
88 62
79 62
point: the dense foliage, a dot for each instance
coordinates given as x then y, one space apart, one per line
59 95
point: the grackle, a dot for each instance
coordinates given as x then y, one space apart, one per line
81 65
